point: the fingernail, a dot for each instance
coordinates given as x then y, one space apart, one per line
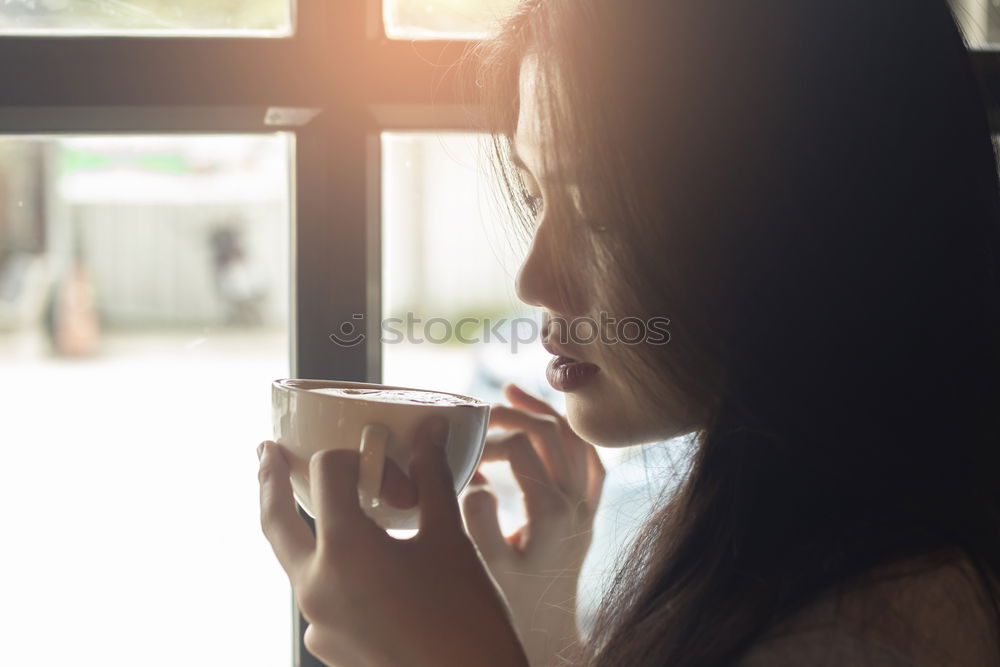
260 450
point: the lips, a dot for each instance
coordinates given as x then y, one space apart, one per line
566 373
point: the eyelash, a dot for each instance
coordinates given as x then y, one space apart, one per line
533 202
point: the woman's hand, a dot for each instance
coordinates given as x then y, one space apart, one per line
537 568
372 600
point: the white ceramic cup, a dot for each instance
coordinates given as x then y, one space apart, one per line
306 421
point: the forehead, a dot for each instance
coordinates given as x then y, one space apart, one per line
533 93
527 137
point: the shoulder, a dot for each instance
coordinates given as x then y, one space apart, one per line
917 613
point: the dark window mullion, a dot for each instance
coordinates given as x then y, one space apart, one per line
168 71
419 73
330 259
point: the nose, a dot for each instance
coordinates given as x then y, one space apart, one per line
539 282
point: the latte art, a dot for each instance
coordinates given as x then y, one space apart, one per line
404 396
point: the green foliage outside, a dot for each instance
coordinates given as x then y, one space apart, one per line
123 15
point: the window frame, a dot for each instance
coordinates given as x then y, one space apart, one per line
312 84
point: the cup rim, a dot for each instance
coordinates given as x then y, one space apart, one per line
285 384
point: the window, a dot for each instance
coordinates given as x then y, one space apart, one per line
443 19
143 286
160 201
449 312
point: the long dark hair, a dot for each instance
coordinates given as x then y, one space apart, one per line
808 189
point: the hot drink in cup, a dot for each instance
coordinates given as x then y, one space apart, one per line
380 421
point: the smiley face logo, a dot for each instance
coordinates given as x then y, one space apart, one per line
350 334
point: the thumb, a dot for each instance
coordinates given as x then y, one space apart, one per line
482 521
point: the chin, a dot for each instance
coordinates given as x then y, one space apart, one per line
606 424
611 419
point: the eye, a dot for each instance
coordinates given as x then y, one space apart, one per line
533 202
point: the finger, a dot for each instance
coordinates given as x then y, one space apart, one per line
546 434
429 469
519 398
288 534
478 478
397 489
595 477
483 523
541 496
334 484
496 449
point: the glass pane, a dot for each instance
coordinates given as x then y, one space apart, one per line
979 20
476 19
264 18
449 256
443 19
143 312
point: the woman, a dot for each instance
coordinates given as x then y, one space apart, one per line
807 191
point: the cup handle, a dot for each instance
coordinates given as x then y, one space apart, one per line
374 438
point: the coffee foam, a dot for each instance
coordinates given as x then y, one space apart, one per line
403 396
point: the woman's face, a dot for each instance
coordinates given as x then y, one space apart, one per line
603 405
